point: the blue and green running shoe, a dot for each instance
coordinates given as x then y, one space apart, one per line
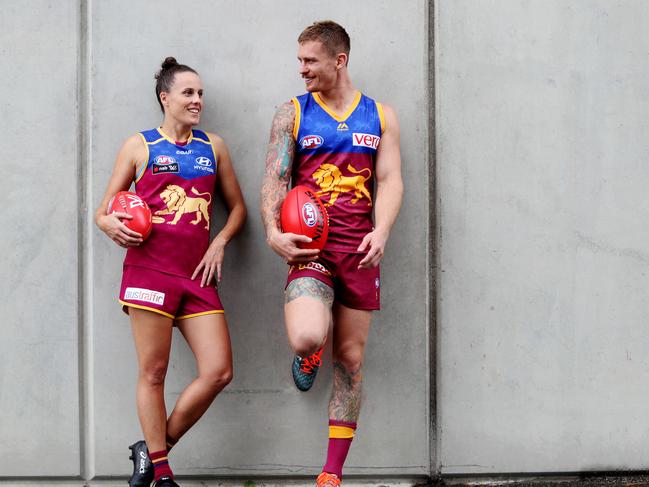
305 370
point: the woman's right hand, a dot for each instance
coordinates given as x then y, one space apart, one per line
119 233
132 153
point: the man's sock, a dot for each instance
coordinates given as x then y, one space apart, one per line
160 464
341 434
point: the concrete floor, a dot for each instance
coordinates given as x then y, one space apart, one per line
578 480
569 480
214 483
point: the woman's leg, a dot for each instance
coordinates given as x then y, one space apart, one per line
209 340
152 335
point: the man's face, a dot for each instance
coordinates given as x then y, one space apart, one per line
317 67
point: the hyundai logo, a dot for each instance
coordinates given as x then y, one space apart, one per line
203 161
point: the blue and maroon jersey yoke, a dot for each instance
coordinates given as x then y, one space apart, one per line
177 182
335 157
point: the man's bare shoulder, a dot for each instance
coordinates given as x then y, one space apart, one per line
390 117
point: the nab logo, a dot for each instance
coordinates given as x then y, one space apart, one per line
309 214
165 164
366 140
311 141
203 161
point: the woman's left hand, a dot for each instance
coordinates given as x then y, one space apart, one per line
211 262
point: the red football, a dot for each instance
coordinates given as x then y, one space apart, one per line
303 213
127 202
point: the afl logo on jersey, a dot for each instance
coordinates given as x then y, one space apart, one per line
309 214
164 164
311 141
164 160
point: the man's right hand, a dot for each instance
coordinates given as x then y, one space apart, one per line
286 246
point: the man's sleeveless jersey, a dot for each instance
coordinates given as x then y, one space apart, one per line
335 157
177 183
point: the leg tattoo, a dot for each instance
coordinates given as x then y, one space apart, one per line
309 287
345 402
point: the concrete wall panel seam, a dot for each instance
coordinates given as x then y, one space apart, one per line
86 225
432 243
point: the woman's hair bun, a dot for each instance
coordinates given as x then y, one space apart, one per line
169 62
165 77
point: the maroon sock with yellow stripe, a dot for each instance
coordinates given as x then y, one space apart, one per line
341 434
160 464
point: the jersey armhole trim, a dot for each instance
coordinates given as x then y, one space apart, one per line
146 163
296 123
216 158
379 108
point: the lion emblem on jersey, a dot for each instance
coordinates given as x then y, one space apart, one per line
332 182
179 204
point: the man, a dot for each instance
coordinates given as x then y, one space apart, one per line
338 142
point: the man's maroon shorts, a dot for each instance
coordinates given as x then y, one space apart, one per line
176 297
353 287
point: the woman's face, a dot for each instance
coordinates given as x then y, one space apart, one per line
184 101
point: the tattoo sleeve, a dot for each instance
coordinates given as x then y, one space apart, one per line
279 161
345 402
310 287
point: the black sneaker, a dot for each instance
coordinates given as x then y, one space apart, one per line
165 482
142 466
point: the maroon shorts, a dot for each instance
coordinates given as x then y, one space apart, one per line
176 297
353 287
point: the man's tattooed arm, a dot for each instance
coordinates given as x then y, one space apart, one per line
279 161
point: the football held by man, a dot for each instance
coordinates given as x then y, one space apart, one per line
345 147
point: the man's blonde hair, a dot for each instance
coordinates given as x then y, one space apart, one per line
333 36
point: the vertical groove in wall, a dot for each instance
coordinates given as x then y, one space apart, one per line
433 248
83 248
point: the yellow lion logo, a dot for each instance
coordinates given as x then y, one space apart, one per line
179 203
332 182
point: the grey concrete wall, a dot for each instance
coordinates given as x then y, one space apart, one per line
542 120
246 53
39 352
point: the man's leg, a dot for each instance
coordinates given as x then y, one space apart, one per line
307 310
351 328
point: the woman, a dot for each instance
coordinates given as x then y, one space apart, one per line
168 280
